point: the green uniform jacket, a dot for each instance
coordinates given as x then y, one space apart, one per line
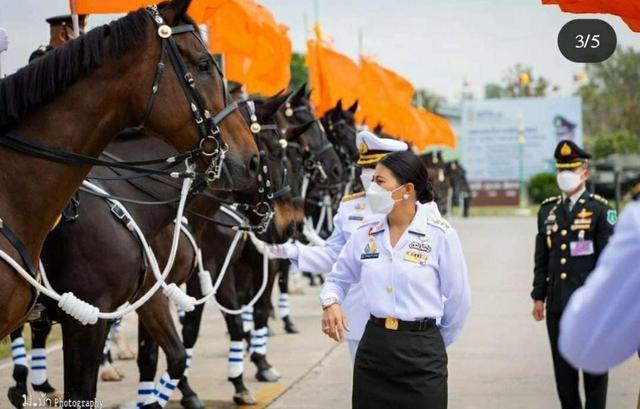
568 246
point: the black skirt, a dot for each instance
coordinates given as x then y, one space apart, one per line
400 370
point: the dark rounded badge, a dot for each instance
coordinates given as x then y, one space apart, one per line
587 40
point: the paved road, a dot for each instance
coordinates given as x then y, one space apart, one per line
502 360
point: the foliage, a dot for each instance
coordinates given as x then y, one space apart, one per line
299 73
542 186
614 142
611 101
519 81
427 99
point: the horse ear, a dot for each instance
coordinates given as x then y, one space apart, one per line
295 132
299 92
175 10
353 108
270 106
308 94
339 105
378 128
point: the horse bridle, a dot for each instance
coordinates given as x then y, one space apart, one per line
347 161
211 144
312 163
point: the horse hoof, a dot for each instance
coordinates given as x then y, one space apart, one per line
192 402
110 375
268 375
244 398
154 405
290 327
56 397
126 354
16 395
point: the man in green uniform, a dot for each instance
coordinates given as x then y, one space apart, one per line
573 229
61 32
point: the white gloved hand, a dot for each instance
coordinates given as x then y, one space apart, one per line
286 250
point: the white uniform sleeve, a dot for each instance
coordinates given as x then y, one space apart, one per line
454 284
320 259
600 327
346 271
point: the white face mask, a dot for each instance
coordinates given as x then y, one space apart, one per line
380 199
366 177
568 181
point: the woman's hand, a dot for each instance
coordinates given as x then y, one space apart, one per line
334 322
538 310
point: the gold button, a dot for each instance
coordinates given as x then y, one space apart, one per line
389 289
563 261
563 276
563 247
547 279
563 232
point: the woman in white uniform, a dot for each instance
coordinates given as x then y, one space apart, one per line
413 275
353 210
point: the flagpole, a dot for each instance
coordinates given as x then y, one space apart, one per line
74 18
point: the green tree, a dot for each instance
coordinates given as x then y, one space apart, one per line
428 99
614 142
611 98
519 81
542 186
299 73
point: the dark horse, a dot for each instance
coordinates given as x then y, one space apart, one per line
440 177
271 189
77 98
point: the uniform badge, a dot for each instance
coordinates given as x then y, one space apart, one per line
612 217
581 248
416 245
360 207
370 250
356 218
584 214
416 257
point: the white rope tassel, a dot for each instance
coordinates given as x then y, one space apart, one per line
78 309
310 233
206 284
179 297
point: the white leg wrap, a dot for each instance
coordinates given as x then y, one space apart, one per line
247 320
259 341
18 352
236 359
145 393
189 357
164 389
283 305
38 366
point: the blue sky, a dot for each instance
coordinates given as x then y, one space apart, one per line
434 43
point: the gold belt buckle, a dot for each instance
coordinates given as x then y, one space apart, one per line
391 323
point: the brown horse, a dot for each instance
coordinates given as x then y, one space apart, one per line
77 98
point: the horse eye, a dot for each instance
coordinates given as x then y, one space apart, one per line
204 66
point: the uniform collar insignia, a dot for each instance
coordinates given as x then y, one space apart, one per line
376 228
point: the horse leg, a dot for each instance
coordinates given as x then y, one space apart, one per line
125 353
156 318
235 367
259 337
40 331
190 330
283 300
17 394
82 353
108 371
147 364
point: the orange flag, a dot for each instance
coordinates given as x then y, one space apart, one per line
256 49
440 132
332 76
106 7
386 98
629 10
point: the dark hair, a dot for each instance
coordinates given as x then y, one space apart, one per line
407 167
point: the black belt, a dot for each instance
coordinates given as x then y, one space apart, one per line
399 325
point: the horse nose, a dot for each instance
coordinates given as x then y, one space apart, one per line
254 165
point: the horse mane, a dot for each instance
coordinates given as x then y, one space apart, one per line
44 79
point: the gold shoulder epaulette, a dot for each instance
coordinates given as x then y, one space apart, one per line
353 196
440 223
42 48
549 200
599 198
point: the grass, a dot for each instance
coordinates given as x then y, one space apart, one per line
5 344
